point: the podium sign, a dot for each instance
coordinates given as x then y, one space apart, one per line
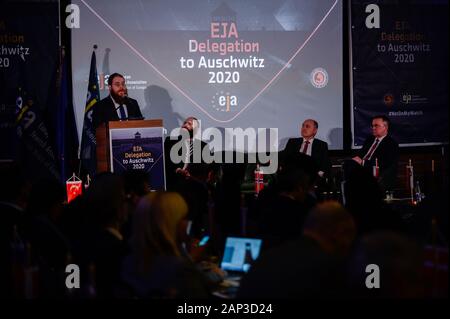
138 148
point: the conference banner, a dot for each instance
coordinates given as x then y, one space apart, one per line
28 61
400 69
139 149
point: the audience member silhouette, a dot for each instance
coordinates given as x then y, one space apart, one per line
158 266
49 246
284 207
364 199
310 266
14 192
105 202
136 183
399 261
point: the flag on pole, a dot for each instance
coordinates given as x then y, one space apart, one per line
39 158
410 176
376 169
73 188
66 132
88 142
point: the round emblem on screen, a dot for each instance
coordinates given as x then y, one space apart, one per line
388 99
224 101
319 78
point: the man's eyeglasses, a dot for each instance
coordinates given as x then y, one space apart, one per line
377 125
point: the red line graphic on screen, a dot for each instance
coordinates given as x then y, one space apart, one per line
181 91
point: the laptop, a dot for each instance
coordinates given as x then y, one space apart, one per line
235 258
236 263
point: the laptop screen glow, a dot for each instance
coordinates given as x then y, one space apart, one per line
234 253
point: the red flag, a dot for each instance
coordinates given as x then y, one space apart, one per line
73 187
376 169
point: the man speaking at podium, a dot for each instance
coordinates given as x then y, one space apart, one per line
117 106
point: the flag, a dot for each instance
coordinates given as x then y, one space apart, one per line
39 157
410 175
66 134
376 169
73 188
88 142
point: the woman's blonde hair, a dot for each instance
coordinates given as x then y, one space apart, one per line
156 221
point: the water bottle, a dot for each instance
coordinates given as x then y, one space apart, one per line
259 180
418 193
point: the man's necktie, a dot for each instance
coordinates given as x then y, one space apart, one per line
372 149
123 116
191 148
305 147
188 155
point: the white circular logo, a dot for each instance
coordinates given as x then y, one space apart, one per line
319 78
224 101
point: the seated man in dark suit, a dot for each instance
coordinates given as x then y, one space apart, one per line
192 149
311 146
117 106
381 148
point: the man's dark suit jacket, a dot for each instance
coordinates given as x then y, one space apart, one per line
319 152
170 167
387 154
105 111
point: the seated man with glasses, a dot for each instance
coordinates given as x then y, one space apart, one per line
381 148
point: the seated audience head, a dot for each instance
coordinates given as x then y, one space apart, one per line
46 198
159 225
136 184
364 200
15 187
294 182
296 164
105 199
331 226
399 261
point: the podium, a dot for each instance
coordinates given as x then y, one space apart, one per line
132 145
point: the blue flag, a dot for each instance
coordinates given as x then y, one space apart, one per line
88 142
66 134
38 158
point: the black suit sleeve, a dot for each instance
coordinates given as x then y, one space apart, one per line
133 109
365 148
98 116
388 164
324 161
291 146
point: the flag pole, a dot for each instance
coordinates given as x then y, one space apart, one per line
95 46
411 180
